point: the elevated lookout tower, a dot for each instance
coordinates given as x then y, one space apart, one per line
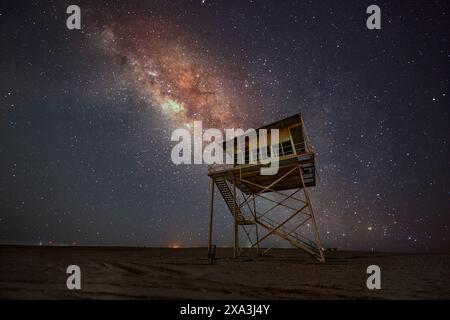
270 205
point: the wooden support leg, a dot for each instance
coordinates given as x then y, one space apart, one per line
236 230
256 226
257 240
313 220
211 211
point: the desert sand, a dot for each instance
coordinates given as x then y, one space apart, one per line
161 273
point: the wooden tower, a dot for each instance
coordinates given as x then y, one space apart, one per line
271 205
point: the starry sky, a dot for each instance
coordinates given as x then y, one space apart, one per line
87 115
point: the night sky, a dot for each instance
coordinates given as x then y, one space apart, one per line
87 115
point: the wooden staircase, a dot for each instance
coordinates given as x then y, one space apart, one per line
294 238
242 219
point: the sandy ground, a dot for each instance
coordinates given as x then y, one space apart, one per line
152 273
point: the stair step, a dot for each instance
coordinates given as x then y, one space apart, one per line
228 197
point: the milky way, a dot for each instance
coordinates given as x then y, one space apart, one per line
166 67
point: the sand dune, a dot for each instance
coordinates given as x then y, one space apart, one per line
152 273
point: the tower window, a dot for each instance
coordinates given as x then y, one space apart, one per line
287 147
